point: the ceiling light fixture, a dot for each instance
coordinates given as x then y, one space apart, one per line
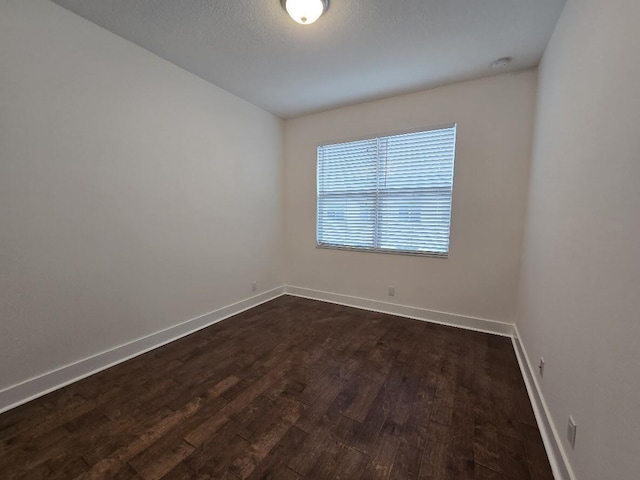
501 63
305 11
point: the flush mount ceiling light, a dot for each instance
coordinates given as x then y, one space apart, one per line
501 63
305 11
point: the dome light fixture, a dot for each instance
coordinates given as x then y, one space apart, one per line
501 63
305 12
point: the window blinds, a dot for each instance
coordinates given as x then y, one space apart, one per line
389 194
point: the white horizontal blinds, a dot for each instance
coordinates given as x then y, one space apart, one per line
390 193
415 191
347 194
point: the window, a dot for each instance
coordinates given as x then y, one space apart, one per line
387 194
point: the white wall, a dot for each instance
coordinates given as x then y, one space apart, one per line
133 195
495 122
580 290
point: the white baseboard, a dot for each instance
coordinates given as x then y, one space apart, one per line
449 319
35 387
555 451
16 395
552 441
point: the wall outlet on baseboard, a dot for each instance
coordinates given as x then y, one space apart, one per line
392 291
571 432
541 367
254 286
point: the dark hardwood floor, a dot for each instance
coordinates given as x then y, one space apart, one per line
291 389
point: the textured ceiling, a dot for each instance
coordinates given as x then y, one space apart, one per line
359 50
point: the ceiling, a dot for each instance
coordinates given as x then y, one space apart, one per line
359 50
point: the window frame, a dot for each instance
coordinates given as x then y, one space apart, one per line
453 125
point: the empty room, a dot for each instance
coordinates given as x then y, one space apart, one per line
320 239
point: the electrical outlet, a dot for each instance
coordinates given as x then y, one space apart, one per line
254 286
541 367
571 432
392 291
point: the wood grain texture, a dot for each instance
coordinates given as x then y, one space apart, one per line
292 389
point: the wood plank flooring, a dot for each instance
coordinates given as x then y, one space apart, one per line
289 390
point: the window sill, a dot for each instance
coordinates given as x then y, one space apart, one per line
383 251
